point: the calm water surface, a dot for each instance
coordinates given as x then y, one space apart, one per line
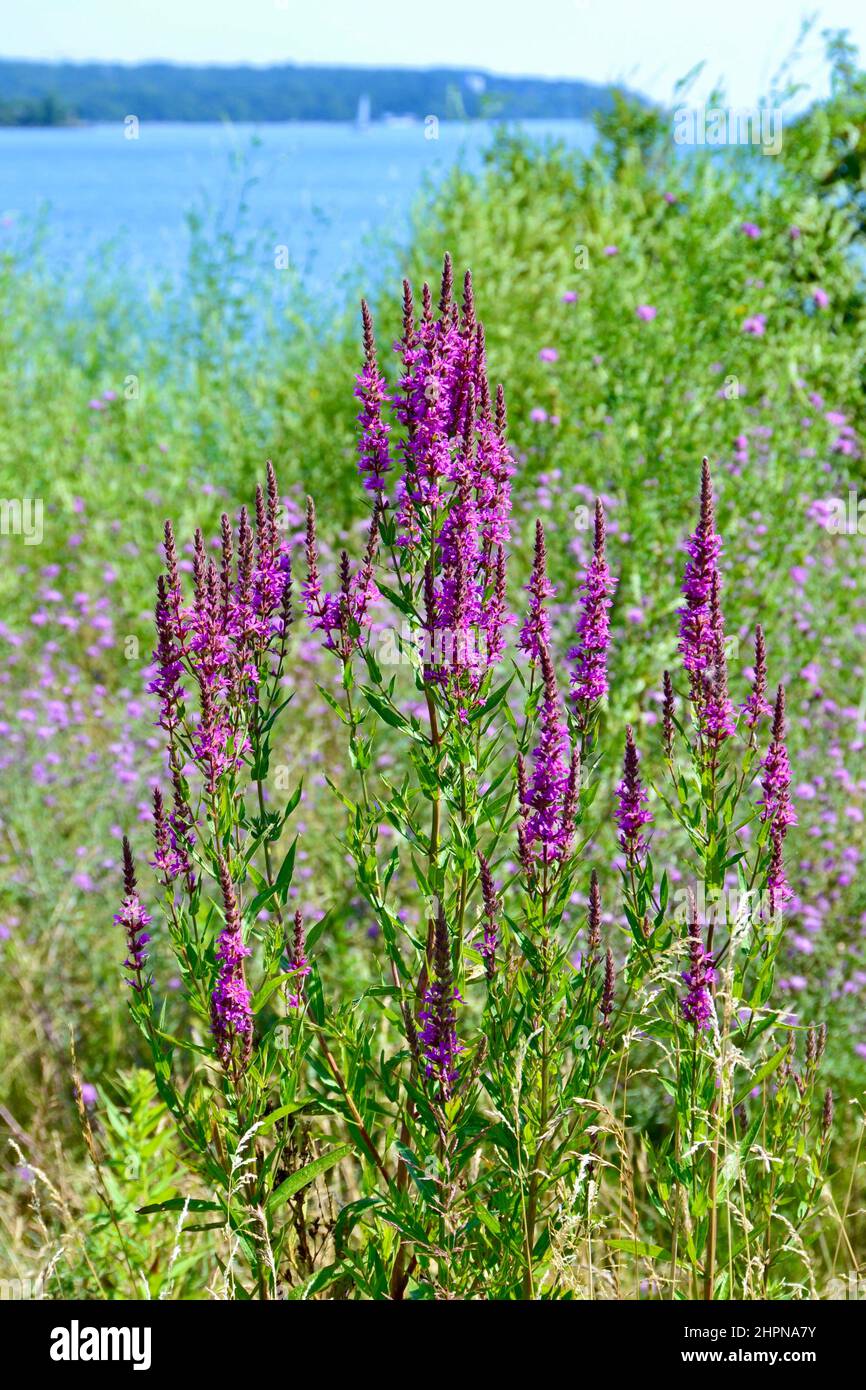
332 194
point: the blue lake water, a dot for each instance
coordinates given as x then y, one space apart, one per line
332 194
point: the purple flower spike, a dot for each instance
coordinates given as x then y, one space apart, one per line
549 801
374 457
231 1003
299 965
440 1047
589 679
697 1005
702 636
135 921
776 780
535 632
455 491
756 706
631 812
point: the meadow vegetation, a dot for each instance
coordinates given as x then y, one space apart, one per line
643 309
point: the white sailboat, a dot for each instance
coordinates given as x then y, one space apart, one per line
362 118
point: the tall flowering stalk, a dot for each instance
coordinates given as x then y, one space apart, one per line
589 680
777 812
374 457
631 811
438 1040
702 635
135 922
231 1012
453 499
535 634
697 1004
756 707
732 946
549 801
478 1156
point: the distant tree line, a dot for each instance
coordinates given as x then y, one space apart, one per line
69 93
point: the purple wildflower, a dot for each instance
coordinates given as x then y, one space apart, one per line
455 483
174 836
668 715
299 966
589 678
702 638
776 808
593 919
549 801
647 312
535 632
756 705
778 889
697 1005
168 658
607 992
231 1004
631 812
135 921
374 458
776 780
438 1040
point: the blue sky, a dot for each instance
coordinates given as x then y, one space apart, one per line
646 43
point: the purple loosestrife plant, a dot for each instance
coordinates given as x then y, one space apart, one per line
438 1041
732 915
702 637
135 921
221 684
550 802
231 1012
535 633
631 812
697 1004
777 813
453 1125
589 681
374 458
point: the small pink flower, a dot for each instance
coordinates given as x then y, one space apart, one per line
756 325
646 312
548 354
538 415
570 297
820 297
750 230
611 250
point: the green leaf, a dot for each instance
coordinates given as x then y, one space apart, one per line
263 995
178 1204
287 869
766 1070
304 1176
